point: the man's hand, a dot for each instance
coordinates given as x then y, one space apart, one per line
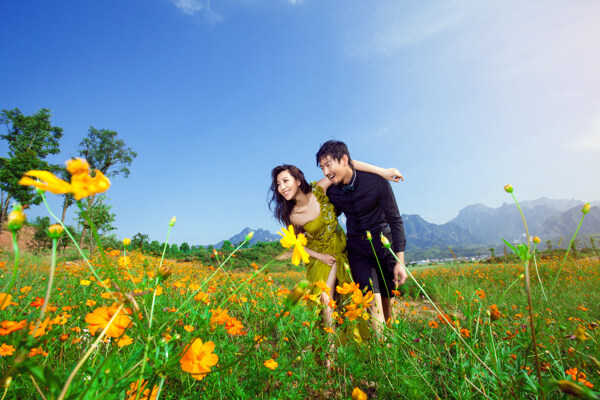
400 274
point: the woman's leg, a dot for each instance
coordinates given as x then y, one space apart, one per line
326 297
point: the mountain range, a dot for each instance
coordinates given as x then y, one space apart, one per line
481 225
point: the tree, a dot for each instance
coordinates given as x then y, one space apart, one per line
31 138
140 240
99 214
105 152
185 247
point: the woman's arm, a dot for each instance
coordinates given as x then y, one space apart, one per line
391 174
324 258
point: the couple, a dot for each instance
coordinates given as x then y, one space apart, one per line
363 194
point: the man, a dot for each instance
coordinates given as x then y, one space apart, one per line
369 204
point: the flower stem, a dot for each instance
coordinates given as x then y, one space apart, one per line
566 254
13 278
87 354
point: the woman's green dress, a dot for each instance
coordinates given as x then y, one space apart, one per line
324 235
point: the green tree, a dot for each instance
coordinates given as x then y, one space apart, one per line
140 240
105 152
30 138
100 214
184 247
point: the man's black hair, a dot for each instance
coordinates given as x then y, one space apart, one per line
335 149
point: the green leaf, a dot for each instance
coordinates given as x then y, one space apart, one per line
511 246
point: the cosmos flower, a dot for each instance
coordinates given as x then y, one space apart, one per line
198 358
100 318
289 239
271 364
82 183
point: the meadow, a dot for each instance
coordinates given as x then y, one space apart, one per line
126 325
255 343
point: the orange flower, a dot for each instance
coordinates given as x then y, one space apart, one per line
146 395
494 313
444 318
433 324
4 300
41 329
322 285
271 364
101 316
359 304
6 350
347 288
9 327
480 293
124 341
198 358
465 333
578 377
234 327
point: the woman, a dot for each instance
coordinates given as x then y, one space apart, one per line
308 208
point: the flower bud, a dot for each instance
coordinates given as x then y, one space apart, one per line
126 242
16 218
571 388
5 383
369 235
55 231
172 222
249 236
536 240
521 276
164 272
508 188
586 208
296 294
385 242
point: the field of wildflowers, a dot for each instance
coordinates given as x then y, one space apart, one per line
124 325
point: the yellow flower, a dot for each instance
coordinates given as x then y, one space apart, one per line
198 358
82 183
84 282
508 188
126 242
271 364
358 394
90 303
289 239
586 208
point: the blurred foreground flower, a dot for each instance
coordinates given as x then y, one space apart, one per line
271 364
126 242
198 358
508 188
82 183
289 239
4 300
132 393
586 208
55 231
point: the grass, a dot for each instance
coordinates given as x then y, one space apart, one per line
421 357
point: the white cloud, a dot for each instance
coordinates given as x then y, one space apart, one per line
590 140
294 2
191 7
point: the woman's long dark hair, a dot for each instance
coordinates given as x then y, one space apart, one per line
282 208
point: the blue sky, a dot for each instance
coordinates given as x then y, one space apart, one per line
463 97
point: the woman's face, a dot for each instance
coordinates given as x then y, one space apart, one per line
287 186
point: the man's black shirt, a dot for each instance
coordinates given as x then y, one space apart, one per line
369 206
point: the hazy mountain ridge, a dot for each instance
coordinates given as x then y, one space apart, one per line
480 225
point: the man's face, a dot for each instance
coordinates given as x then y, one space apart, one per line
335 170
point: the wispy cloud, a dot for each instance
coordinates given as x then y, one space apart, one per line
192 7
590 140
294 2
